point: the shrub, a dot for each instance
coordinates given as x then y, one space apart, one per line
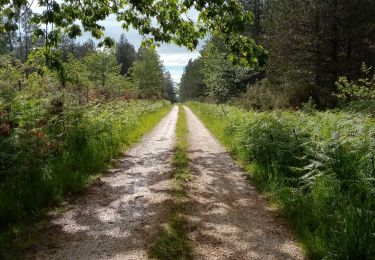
51 153
262 96
362 89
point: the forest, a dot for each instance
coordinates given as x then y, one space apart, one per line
286 86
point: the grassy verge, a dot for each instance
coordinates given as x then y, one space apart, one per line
37 181
318 168
172 241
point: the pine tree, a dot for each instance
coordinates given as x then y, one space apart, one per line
191 86
312 43
169 92
148 73
125 54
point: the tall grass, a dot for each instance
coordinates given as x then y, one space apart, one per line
58 155
319 167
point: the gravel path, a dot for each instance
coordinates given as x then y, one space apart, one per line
118 216
228 219
121 213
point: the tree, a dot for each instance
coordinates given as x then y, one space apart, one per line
104 71
256 31
125 54
148 73
85 49
169 92
67 47
79 76
5 39
191 86
313 42
8 38
25 31
222 79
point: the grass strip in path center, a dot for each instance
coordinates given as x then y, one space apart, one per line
172 241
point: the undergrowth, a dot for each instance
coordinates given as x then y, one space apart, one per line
44 162
318 167
172 241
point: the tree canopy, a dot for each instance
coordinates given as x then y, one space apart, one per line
157 21
169 91
191 85
125 54
222 79
148 73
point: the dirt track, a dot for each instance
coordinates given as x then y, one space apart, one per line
229 219
122 212
117 217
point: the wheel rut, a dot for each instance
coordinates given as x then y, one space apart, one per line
117 217
121 213
229 219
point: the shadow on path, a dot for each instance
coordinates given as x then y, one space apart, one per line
229 220
118 216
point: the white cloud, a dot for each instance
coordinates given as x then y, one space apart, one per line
176 72
176 76
177 59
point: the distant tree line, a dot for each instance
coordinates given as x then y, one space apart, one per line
84 64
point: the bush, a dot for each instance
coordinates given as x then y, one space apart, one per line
268 138
262 96
50 153
361 89
358 96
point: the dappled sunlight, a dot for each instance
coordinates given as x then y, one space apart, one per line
121 212
231 221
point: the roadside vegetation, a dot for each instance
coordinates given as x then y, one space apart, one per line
46 163
317 166
172 242
59 128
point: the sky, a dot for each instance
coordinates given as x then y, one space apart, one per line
173 57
